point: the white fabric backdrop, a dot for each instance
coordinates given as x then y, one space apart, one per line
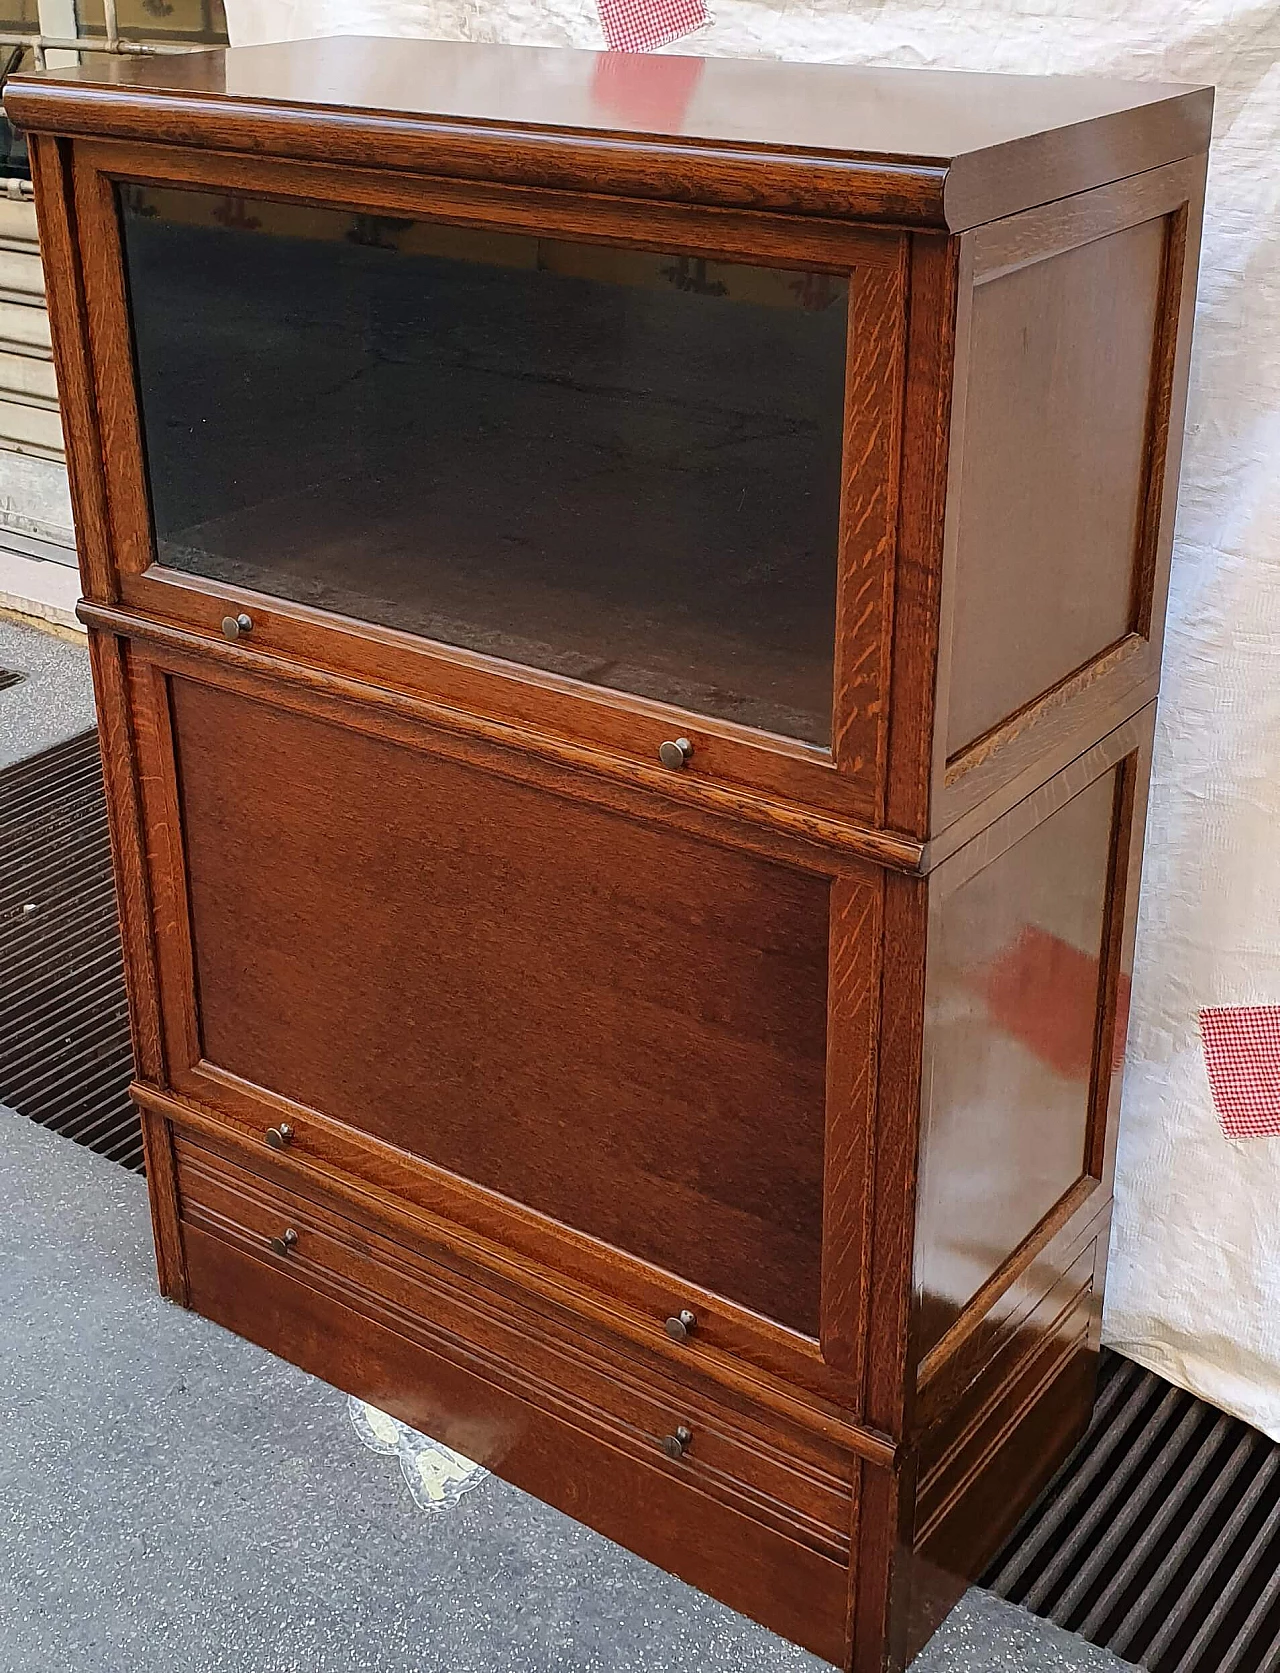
1194 1290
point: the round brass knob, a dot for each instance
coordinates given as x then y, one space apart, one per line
682 1326
284 1243
233 627
675 1446
279 1137
675 753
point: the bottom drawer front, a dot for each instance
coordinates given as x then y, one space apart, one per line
767 1535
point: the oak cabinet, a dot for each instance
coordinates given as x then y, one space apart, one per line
626 636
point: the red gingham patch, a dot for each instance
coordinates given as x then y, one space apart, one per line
1242 1055
641 25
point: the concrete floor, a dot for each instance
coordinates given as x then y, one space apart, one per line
54 700
174 1500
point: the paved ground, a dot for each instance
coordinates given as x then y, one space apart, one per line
174 1500
53 702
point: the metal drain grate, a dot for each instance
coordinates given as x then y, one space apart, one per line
1159 1538
65 1056
8 677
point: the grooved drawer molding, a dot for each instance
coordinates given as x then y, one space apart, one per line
626 651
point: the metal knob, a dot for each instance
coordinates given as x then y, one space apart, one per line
675 753
279 1137
675 1446
682 1326
234 627
283 1244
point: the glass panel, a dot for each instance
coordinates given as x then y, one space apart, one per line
619 466
18 17
198 21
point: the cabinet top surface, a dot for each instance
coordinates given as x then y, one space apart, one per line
911 120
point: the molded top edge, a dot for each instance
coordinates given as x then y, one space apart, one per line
1077 131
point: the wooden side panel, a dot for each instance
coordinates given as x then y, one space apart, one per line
982 1465
617 1026
1051 492
1005 1392
1016 1003
1073 345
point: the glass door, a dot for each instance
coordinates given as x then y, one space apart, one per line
613 475
611 464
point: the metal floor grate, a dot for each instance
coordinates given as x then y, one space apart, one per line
65 1057
1159 1538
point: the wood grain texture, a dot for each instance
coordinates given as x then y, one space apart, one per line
126 825
880 1598
1022 802
109 345
753 234
1061 714
853 1015
936 149
569 1041
1119 678
162 1189
740 1453
1001 247
723 752
1014 1289
887 1391
51 175
868 515
1022 1419
1048 502
1169 372
561 972
618 1485
1006 1390
596 774
742 1361
1122 926
927 438
1015 1001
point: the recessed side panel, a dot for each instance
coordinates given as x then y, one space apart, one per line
1053 473
1013 1015
617 1025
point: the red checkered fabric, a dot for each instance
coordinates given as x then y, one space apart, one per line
1242 1055
641 25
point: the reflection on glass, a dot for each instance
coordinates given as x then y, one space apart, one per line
202 21
615 465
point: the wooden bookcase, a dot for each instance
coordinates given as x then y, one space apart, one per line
626 643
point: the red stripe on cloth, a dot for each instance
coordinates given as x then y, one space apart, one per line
1242 1055
641 25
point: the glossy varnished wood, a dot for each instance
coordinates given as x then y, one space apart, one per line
847 779
559 972
436 1351
941 148
823 1045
